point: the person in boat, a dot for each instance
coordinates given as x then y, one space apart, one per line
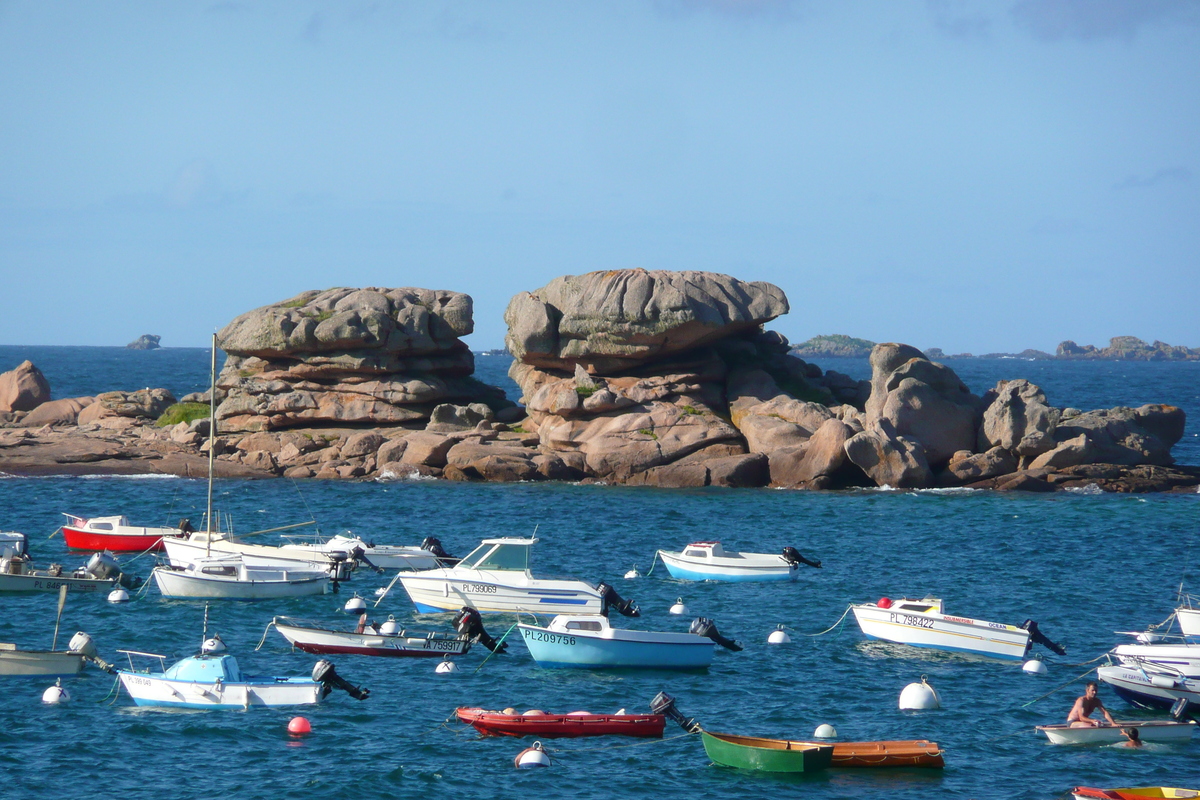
1081 712
1132 739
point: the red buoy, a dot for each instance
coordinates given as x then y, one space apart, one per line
299 726
884 602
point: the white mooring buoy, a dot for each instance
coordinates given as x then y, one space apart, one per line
679 607
825 731
118 595
633 573
390 627
56 694
356 605
1034 666
919 697
779 636
532 757
446 667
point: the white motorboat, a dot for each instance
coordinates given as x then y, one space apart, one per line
709 561
429 555
1188 619
101 573
1182 658
590 642
213 679
338 555
388 638
1150 686
922 623
495 577
230 578
1163 731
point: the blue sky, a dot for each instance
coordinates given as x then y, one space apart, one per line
976 176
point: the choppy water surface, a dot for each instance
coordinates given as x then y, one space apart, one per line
1082 565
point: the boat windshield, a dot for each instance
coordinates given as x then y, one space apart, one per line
500 556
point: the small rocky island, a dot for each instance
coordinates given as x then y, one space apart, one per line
147 341
1120 348
638 377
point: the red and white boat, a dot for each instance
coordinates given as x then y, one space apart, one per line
561 726
114 534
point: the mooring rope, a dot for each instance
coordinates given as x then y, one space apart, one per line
502 638
266 630
839 622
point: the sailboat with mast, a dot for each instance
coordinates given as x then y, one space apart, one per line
212 574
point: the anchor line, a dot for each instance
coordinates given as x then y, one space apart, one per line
839 622
502 638
266 630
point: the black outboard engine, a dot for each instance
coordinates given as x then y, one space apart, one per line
1182 710
434 545
340 567
664 704
792 556
1036 635
609 599
469 623
185 526
326 675
360 556
703 626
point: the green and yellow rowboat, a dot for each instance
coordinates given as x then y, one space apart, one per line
766 755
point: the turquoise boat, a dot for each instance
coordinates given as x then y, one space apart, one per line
589 642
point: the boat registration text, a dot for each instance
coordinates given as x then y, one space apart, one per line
549 638
911 620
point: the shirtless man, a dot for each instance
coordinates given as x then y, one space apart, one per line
1081 712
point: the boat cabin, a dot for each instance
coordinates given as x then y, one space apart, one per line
13 544
205 669
929 605
704 550
510 555
582 623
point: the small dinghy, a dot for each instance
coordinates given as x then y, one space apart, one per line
1163 731
561 726
922 623
709 561
51 663
1140 793
388 639
100 573
213 679
588 641
911 753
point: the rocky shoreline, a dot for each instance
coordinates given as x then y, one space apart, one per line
635 377
1120 348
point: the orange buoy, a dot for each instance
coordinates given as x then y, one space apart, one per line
299 726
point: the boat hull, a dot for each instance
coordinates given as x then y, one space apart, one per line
1181 658
563 726
1146 689
1139 793
79 539
915 753
943 632
439 590
1153 731
40 663
45 583
1189 621
324 641
618 649
766 755
172 583
153 690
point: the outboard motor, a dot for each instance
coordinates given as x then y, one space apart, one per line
340 568
103 566
360 556
82 643
792 556
185 526
703 626
1036 635
1181 711
609 599
434 545
664 704
326 675
469 623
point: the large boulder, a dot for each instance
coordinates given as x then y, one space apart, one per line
1128 436
610 321
142 404
822 455
888 458
923 400
1017 418
349 357
23 388
56 412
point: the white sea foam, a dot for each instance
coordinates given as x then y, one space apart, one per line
152 476
1091 488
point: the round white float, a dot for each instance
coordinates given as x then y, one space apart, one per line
446 667
633 573
679 607
118 595
56 694
825 731
1034 666
532 757
779 636
390 627
356 605
919 697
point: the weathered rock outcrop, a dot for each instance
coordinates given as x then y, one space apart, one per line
1017 418
23 388
1129 436
147 341
1128 348
348 356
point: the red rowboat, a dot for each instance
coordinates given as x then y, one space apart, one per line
1141 793
558 726
114 534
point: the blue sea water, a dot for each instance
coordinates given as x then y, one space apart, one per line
1082 565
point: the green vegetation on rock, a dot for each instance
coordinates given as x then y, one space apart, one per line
182 412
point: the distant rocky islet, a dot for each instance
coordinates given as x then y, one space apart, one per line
1120 348
627 376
